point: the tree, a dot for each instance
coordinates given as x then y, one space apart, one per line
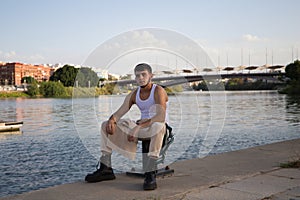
66 75
28 79
87 77
200 86
293 70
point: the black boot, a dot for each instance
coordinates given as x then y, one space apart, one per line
104 173
150 181
150 174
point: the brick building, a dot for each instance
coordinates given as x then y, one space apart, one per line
12 73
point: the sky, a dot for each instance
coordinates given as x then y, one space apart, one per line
231 32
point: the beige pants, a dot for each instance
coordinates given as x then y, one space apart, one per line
119 142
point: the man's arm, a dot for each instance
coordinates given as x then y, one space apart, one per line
124 108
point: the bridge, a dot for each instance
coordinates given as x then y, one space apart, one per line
168 81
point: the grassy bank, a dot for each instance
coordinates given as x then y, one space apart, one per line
68 92
13 94
57 90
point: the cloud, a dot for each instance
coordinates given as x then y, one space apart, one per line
251 38
127 49
147 38
12 56
133 40
36 57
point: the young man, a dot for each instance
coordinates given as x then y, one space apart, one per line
121 134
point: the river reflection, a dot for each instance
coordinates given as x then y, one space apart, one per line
293 109
59 142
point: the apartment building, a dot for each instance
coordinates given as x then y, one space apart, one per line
12 73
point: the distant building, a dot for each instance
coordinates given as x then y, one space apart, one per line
12 73
113 76
101 73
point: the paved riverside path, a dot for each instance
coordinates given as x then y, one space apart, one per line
244 174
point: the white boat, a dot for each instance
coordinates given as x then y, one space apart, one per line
10 126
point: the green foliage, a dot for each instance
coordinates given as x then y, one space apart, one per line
291 164
70 76
236 84
52 89
28 79
292 88
239 84
12 94
217 86
33 90
86 77
174 89
94 91
84 92
69 91
66 75
200 86
293 70
109 89
205 87
125 77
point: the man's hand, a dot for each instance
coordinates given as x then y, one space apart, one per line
111 126
143 122
132 135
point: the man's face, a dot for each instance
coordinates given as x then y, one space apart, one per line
143 77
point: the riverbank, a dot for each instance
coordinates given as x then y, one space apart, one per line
13 94
92 92
252 173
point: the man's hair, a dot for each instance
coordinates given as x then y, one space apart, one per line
142 67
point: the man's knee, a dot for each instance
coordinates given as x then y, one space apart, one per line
160 127
158 124
103 126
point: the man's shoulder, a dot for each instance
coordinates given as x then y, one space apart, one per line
132 95
160 90
132 92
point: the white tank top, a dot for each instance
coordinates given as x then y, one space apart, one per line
147 106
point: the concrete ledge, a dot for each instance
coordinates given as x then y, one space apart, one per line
210 175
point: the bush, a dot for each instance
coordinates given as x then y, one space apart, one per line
33 90
84 92
292 88
52 89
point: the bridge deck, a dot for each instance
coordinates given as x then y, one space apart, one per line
176 80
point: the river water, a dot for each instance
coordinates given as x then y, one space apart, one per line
59 141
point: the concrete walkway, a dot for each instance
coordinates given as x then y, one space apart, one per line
248 174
